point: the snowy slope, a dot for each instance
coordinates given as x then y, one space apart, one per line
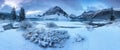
102 38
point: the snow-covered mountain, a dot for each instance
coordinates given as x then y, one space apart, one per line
103 14
55 10
100 14
107 13
55 13
87 15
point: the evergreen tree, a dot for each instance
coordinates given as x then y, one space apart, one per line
13 14
21 15
112 17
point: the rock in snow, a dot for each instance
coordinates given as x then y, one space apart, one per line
8 26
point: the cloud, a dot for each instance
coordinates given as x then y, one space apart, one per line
30 12
14 3
1 2
94 6
112 3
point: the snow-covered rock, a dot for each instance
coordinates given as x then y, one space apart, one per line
8 26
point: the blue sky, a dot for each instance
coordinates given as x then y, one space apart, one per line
71 6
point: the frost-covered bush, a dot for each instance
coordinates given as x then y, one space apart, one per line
24 25
78 38
51 25
47 38
53 37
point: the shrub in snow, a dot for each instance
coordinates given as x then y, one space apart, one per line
1 29
47 38
53 37
24 25
78 38
51 25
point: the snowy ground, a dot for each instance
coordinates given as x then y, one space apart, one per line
101 38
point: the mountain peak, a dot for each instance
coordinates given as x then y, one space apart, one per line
55 10
56 7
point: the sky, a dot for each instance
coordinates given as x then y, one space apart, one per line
70 6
